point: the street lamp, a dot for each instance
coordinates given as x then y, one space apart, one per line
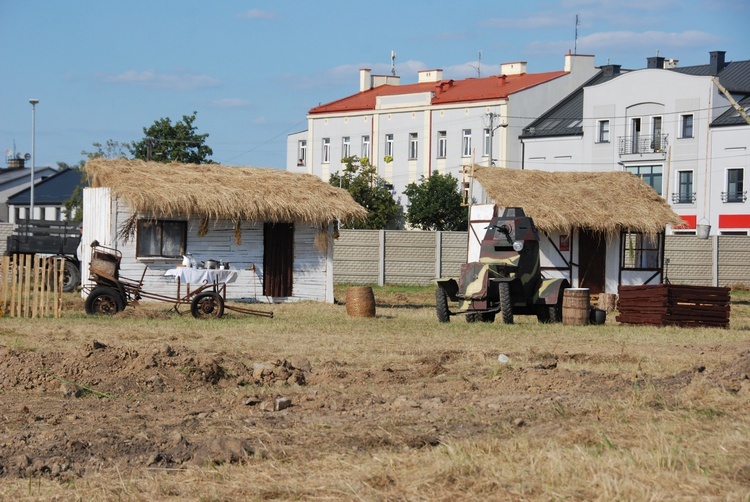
33 156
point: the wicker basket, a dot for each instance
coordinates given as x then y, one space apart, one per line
103 264
360 301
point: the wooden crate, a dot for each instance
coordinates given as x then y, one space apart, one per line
674 305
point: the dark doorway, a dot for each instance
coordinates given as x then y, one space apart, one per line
592 260
278 259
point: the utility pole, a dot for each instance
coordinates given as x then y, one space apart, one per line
492 127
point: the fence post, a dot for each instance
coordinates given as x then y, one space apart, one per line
438 254
381 258
715 259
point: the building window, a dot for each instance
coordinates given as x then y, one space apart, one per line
735 186
466 143
650 174
326 150
389 145
640 251
442 147
603 132
656 137
365 147
413 146
161 238
346 147
685 194
301 152
486 149
686 126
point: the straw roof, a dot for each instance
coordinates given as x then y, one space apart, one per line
606 202
218 192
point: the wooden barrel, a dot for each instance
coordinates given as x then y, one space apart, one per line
360 301
576 306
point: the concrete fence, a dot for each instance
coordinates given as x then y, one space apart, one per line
415 258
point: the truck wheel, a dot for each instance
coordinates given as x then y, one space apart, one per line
71 277
207 306
441 305
104 301
506 305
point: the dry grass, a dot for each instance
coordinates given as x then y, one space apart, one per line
622 416
219 192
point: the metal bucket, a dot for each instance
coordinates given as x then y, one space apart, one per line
576 306
702 230
597 316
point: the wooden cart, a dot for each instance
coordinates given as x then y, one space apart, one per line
112 292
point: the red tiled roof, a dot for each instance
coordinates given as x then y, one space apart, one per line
446 91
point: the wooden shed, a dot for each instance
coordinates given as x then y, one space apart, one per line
597 229
275 228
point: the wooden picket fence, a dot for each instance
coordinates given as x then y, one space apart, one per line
31 286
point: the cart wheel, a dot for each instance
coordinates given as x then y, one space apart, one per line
104 301
441 303
207 306
506 305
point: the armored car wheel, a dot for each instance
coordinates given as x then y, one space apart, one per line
506 304
441 305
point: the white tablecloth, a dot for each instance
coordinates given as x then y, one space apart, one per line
202 275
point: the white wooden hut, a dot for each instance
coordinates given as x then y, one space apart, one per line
597 229
274 228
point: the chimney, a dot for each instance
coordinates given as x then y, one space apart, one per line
611 69
671 63
365 81
518 68
442 86
430 76
655 62
15 163
717 61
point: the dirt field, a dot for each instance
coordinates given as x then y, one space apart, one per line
313 404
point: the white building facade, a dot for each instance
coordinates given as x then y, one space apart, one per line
673 127
436 125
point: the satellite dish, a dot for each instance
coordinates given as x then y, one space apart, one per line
27 156
19 155
8 153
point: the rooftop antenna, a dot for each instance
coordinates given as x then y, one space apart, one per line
478 67
575 46
393 63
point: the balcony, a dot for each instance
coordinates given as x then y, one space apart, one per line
683 198
633 145
733 196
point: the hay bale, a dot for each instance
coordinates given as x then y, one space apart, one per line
360 301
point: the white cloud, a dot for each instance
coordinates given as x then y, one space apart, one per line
259 121
178 80
228 103
257 14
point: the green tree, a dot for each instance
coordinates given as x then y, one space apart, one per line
110 150
178 142
435 204
74 205
371 191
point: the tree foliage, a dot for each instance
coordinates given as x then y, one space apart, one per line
178 142
110 150
371 191
435 204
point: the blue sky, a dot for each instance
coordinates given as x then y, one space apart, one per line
252 69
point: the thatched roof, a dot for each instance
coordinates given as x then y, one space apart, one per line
607 202
221 192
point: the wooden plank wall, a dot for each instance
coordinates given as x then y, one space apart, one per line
675 305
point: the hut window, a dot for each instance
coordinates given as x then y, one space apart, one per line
161 238
640 251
